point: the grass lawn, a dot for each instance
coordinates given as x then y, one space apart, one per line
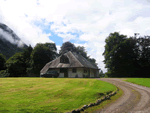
139 81
47 95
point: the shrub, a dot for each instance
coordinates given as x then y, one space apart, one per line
4 73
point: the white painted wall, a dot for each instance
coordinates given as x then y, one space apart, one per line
79 72
91 73
61 75
97 73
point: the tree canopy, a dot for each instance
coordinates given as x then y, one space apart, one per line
125 57
67 46
15 65
2 61
41 54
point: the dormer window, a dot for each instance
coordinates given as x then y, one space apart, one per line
64 59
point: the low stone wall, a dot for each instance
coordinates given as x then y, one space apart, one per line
106 97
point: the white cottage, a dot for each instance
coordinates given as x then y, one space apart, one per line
72 65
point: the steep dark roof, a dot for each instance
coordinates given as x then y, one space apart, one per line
75 60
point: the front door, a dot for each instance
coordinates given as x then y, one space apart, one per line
65 71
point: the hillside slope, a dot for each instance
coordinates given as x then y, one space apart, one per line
10 43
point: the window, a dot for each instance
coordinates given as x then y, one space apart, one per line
64 59
74 70
85 70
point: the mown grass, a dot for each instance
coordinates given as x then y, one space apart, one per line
47 95
139 81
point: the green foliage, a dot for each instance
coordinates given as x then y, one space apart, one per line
3 73
120 56
51 46
26 54
41 54
16 65
127 57
67 46
143 48
81 50
2 61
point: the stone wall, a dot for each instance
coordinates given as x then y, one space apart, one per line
106 97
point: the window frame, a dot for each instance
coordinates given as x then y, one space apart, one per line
64 59
74 70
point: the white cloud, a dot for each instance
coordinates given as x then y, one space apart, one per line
8 36
92 20
67 36
58 48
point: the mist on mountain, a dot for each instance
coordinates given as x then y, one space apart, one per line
10 43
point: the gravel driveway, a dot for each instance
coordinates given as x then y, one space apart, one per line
135 99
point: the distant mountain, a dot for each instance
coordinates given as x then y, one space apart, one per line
10 43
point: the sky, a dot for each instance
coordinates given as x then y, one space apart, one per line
82 22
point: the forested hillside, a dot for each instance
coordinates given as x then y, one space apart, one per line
10 43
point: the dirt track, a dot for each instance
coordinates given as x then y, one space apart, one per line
135 99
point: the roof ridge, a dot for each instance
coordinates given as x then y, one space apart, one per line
87 60
76 58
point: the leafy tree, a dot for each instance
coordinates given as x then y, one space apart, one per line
26 55
120 55
51 46
15 65
40 55
81 50
143 60
2 61
67 46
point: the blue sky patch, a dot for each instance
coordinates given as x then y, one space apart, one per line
54 37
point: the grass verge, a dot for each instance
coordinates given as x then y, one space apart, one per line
47 95
139 81
104 103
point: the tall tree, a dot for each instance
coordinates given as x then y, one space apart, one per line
143 44
40 55
67 46
51 46
16 66
81 50
120 56
26 55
